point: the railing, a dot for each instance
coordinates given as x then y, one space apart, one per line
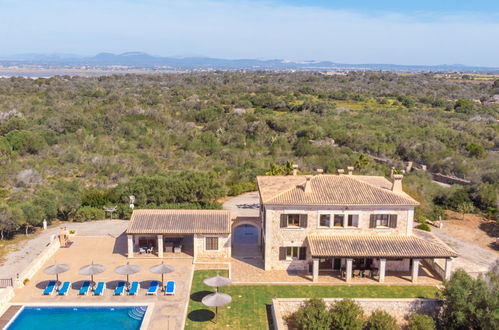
6 282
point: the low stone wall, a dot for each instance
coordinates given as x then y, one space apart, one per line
37 263
401 309
6 295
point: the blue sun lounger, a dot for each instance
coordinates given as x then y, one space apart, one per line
50 288
84 288
120 289
153 288
170 288
134 288
64 289
99 289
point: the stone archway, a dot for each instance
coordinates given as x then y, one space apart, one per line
246 237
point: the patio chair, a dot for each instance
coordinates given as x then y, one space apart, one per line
367 273
142 250
50 288
170 288
84 288
120 289
356 273
134 288
153 288
64 289
99 289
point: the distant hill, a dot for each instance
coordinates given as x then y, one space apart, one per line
138 60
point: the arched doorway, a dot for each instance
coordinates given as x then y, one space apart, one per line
246 238
246 234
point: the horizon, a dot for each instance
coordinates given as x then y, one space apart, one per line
350 32
18 57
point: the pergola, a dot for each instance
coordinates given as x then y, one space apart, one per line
377 247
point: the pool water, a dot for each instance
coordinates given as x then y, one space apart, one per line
76 318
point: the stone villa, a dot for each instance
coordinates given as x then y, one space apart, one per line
307 223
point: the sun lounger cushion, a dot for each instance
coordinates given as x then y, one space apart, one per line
63 290
50 288
153 289
134 288
120 289
84 288
170 287
99 289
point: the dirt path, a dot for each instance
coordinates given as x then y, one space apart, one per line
27 250
470 238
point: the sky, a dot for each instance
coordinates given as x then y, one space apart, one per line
356 31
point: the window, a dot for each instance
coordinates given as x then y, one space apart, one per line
325 220
293 253
383 221
338 220
294 220
353 220
211 243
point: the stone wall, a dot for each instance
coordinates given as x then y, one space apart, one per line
224 244
6 295
37 263
401 309
277 237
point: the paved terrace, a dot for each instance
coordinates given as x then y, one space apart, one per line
249 270
168 310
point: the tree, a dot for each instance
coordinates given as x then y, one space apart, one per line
471 303
381 320
466 207
346 314
9 220
68 198
421 322
313 315
33 215
476 150
363 161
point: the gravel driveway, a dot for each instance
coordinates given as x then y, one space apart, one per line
472 258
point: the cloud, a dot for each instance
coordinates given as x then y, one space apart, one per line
248 29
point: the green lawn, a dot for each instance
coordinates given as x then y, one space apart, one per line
248 309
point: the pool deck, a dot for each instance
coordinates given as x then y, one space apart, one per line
168 311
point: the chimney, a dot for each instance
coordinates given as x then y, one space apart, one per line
307 188
350 170
397 183
319 171
341 171
295 169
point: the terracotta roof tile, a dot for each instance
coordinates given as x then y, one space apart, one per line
179 222
330 190
376 246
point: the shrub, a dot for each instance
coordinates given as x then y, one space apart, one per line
421 322
86 213
25 281
381 320
239 187
347 315
424 227
313 315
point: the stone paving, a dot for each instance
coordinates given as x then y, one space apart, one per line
168 310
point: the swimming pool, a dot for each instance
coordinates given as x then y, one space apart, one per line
79 317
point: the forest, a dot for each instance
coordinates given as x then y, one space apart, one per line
71 146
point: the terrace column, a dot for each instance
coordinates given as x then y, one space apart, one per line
415 270
382 269
315 269
160 246
130 245
448 268
348 277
